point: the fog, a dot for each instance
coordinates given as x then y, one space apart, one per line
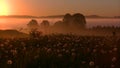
16 23
20 24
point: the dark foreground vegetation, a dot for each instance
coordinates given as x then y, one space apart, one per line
60 51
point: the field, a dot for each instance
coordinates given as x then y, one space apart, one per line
60 51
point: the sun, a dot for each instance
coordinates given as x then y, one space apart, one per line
4 8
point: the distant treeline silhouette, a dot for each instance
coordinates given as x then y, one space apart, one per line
68 20
68 24
75 23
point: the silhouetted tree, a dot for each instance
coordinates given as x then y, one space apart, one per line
45 25
58 24
70 23
67 19
79 19
74 20
33 24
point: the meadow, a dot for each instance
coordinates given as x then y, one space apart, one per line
60 51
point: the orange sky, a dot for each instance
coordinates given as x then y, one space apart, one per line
57 7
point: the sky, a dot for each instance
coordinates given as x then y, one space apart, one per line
58 7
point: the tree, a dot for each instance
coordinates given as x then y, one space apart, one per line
45 25
79 19
67 19
33 24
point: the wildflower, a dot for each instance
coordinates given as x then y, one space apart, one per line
110 51
83 62
13 52
10 46
45 48
54 45
73 54
37 56
103 51
63 50
60 55
96 66
88 49
49 50
96 46
65 45
6 42
112 66
114 59
38 45
58 50
91 63
115 49
1 45
22 43
9 62
24 48
72 50
94 50
67 51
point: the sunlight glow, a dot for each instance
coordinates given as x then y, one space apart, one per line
4 8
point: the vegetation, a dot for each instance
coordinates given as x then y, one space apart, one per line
60 51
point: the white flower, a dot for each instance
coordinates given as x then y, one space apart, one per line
24 48
1 45
63 50
73 54
49 50
115 49
60 55
103 51
38 45
65 45
91 63
14 51
9 62
58 50
114 59
83 62
110 51
112 66
67 51
72 50
37 56
94 50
